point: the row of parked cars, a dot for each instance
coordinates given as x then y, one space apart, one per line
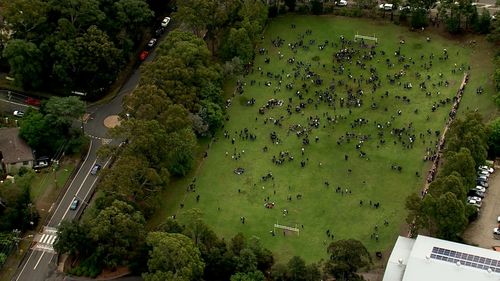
152 42
476 195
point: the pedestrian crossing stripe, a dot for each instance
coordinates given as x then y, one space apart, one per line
48 239
106 141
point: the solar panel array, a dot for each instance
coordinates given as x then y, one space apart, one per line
465 259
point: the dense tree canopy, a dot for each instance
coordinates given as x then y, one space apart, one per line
75 39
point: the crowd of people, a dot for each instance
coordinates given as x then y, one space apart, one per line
361 99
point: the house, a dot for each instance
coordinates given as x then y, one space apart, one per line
426 258
14 152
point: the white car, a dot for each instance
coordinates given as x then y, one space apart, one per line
482 178
498 219
474 203
386 7
486 168
496 231
152 42
483 173
165 22
341 3
18 113
479 188
475 198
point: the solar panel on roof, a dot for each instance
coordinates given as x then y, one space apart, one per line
465 259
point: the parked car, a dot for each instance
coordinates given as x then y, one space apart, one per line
479 188
386 7
487 168
165 22
159 31
482 183
41 165
74 204
483 173
482 178
18 113
152 43
496 231
476 198
475 203
498 219
95 169
143 55
341 3
476 193
32 101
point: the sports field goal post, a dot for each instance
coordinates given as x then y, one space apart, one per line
364 37
287 228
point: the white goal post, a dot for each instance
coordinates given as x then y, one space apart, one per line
364 37
288 228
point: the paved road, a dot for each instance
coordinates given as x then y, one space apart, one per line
41 262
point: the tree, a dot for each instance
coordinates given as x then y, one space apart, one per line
291 5
92 52
494 137
484 22
27 17
172 256
62 112
118 231
316 7
346 257
494 37
38 133
193 13
297 269
451 183
447 214
238 44
248 276
16 209
25 60
73 238
462 163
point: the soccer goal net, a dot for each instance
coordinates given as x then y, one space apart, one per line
287 229
364 37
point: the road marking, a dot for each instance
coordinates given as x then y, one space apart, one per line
78 191
44 237
106 141
38 260
21 273
20 104
83 164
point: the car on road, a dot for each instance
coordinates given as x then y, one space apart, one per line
159 31
152 43
143 55
95 169
32 101
165 22
18 113
341 3
74 204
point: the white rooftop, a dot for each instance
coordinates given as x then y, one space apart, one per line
429 259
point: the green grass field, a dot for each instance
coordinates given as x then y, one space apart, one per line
225 196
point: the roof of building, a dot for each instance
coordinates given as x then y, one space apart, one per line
13 148
427 258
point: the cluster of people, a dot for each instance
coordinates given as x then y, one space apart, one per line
346 88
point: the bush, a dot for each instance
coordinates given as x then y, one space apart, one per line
316 7
303 9
273 11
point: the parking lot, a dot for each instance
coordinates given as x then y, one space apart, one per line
480 232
